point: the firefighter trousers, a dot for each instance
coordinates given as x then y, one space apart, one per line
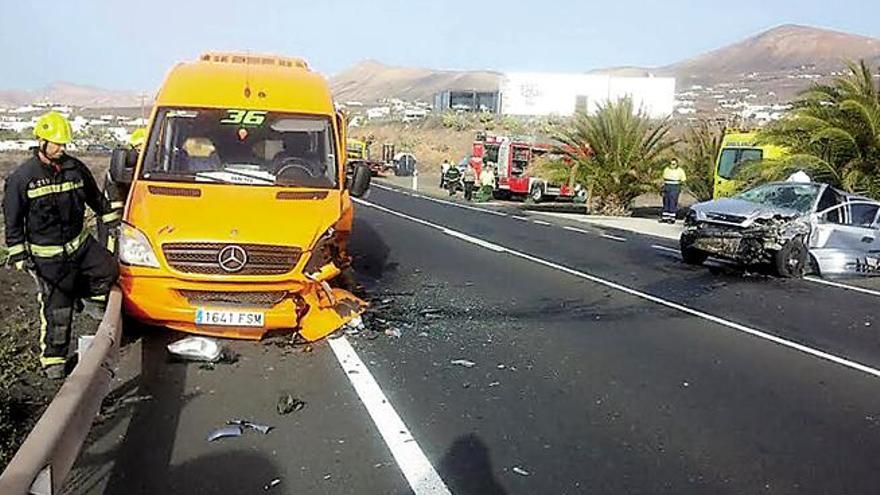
62 281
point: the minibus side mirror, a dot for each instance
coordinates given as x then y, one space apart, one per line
360 180
122 165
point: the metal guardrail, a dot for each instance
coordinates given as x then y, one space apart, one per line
49 451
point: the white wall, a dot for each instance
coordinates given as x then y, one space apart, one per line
535 94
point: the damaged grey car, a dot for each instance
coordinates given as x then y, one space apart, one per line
794 228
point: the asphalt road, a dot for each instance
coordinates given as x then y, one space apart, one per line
595 362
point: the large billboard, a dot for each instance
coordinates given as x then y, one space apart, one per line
537 94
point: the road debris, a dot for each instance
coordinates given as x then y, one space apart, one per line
109 408
463 362
196 349
494 384
225 432
272 484
430 313
520 471
393 332
264 429
288 404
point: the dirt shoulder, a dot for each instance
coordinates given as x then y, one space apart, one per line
24 393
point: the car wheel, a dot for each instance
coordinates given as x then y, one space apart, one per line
791 261
693 256
537 194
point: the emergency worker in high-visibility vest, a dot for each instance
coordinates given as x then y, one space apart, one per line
44 204
673 178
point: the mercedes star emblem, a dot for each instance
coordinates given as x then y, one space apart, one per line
232 258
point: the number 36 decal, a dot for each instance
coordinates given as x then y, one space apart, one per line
244 117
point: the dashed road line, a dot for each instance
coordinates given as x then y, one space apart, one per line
664 248
441 201
838 285
418 471
643 295
575 229
614 237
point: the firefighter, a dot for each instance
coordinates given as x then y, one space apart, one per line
116 193
452 180
44 204
673 178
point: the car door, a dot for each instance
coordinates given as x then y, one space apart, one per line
846 237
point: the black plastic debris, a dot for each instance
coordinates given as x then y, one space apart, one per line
288 404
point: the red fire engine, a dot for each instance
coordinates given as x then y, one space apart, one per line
512 158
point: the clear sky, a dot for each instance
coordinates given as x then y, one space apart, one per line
129 44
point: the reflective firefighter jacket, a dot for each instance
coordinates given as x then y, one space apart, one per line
45 208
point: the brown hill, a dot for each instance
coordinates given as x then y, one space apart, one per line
786 48
370 81
76 95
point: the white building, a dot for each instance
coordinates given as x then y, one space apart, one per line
536 94
378 112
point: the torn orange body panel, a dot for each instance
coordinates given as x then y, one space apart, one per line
239 212
328 310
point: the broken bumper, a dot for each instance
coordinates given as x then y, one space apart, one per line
313 308
733 245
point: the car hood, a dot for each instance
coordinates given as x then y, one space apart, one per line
742 208
237 214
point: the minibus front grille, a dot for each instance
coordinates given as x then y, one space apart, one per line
259 299
203 258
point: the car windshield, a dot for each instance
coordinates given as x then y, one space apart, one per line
247 147
798 197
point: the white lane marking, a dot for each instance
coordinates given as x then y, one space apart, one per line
421 475
575 229
466 207
839 285
520 217
663 302
474 240
620 239
664 248
442 202
815 280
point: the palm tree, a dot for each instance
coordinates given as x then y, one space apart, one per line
617 153
697 152
833 131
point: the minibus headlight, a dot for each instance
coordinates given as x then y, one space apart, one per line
135 248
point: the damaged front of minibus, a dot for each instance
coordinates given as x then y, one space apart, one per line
239 208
